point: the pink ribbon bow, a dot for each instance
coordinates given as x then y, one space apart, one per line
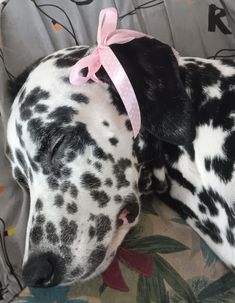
102 55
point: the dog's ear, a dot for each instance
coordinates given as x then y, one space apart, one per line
166 110
14 85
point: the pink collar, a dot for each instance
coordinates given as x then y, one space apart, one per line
102 55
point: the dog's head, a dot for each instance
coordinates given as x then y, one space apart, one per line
72 150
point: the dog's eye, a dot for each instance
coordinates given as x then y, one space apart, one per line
56 147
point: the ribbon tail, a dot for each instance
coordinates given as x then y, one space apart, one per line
123 85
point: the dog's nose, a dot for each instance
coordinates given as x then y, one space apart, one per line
44 270
128 214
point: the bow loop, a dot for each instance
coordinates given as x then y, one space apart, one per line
90 62
107 24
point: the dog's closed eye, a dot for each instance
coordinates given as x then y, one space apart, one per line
55 149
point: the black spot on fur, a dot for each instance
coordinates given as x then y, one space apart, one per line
218 111
63 114
128 125
208 164
230 237
52 182
68 231
119 172
73 191
108 182
184 211
40 219
101 197
92 217
66 251
99 153
50 227
90 181
113 141
91 232
110 157
223 168
59 200
79 53
65 62
208 201
190 150
65 186
202 208
33 97
65 79
72 208
103 226
105 123
26 114
66 172
229 211
78 138
36 234
209 228
52 237
118 198
229 145
41 108
98 166
94 260
19 130
59 55
71 155
36 129
178 176
39 205
80 98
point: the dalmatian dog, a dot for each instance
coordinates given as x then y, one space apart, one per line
73 152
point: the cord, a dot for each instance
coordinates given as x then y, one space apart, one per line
143 5
216 55
53 20
4 249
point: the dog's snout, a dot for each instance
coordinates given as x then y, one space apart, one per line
44 270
